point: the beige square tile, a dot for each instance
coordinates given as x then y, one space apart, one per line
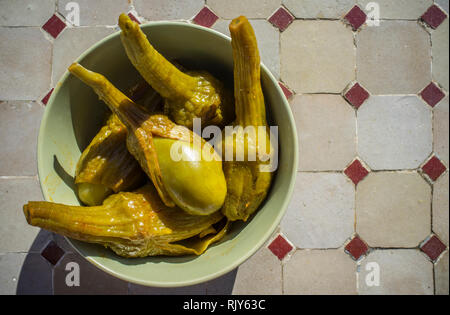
394 58
168 9
231 9
326 126
259 275
19 126
98 12
393 209
399 9
322 9
441 275
268 39
321 213
326 272
441 130
25 12
401 272
14 193
317 56
439 39
394 132
441 209
25 59
71 44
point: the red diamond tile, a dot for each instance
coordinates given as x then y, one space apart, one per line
54 26
356 17
52 253
434 16
432 94
47 97
356 171
281 19
356 248
133 18
433 248
206 17
288 93
357 95
280 247
434 168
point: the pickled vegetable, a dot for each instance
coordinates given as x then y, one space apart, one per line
247 182
106 166
194 94
132 224
196 183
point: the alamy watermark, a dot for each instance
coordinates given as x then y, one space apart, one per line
234 143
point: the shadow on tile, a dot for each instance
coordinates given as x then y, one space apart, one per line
35 277
220 286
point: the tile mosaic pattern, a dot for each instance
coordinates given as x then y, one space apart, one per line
371 108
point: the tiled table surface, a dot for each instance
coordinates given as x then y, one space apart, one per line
372 113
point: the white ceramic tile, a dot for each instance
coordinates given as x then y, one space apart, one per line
71 44
441 130
327 272
326 126
98 12
399 9
25 12
439 39
168 9
14 193
259 275
394 132
393 209
231 9
10 266
313 9
317 56
401 272
25 62
394 58
441 275
441 208
19 126
321 212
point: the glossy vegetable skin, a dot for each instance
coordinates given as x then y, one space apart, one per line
106 166
247 184
194 94
175 181
132 224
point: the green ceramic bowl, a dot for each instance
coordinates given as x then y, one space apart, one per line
74 114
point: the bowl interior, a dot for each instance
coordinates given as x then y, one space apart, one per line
74 115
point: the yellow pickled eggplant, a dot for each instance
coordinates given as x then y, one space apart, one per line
247 184
106 166
194 94
132 224
184 168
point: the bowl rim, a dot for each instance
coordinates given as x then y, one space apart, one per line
236 262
